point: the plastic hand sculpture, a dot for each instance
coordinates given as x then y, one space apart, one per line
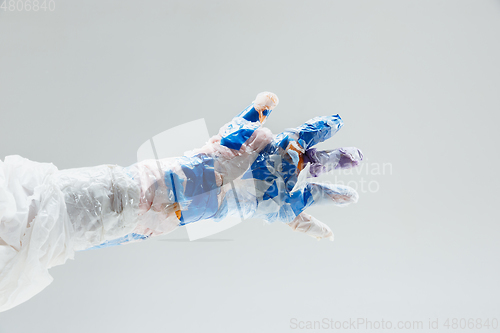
47 214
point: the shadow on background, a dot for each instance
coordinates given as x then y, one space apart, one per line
202 240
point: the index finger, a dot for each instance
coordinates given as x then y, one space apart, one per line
315 130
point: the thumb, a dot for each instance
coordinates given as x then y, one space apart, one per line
235 133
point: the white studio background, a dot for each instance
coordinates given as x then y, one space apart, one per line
416 82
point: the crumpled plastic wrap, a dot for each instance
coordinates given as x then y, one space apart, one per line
47 214
35 229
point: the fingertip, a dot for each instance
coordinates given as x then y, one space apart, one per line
361 156
266 101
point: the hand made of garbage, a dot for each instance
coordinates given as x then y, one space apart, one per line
47 214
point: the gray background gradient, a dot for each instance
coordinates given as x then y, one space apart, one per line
416 82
